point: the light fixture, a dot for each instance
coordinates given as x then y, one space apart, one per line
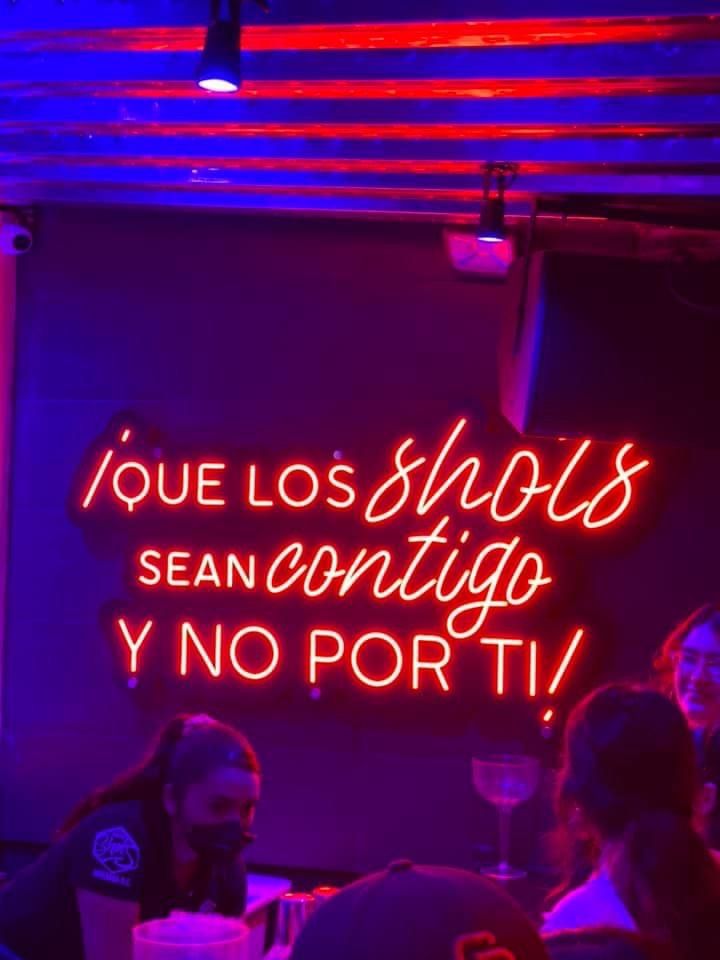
219 69
491 227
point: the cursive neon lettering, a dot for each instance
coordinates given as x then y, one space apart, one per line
559 488
622 481
448 564
332 572
292 554
401 476
471 466
364 562
498 574
534 582
446 596
407 488
426 542
479 609
532 489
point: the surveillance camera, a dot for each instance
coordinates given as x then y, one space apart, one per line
15 239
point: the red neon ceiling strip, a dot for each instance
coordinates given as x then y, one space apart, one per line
368 131
352 165
291 190
384 36
385 89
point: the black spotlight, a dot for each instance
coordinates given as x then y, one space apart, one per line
491 228
219 70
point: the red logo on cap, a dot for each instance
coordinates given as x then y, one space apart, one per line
482 945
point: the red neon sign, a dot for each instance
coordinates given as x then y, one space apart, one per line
447 495
495 575
416 484
423 661
230 643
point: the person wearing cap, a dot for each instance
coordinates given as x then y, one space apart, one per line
409 912
165 836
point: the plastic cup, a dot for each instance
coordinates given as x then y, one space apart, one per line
191 936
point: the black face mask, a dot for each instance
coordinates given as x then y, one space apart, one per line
219 842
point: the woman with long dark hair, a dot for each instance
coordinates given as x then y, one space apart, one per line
629 787
165 836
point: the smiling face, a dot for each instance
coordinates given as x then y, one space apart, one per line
697 676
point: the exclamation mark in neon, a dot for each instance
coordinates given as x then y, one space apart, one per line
562 670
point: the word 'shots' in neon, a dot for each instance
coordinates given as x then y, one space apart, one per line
416 483
426 660
467 579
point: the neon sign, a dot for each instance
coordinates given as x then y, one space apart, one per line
432 507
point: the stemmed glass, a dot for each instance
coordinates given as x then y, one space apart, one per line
505 780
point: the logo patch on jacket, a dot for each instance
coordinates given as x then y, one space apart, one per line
116 851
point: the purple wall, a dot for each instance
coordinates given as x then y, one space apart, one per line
277 335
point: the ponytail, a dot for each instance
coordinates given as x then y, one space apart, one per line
670 883
185 752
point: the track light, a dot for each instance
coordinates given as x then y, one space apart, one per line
491 227
219 69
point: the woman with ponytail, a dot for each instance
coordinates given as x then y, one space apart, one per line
165 836
629 784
